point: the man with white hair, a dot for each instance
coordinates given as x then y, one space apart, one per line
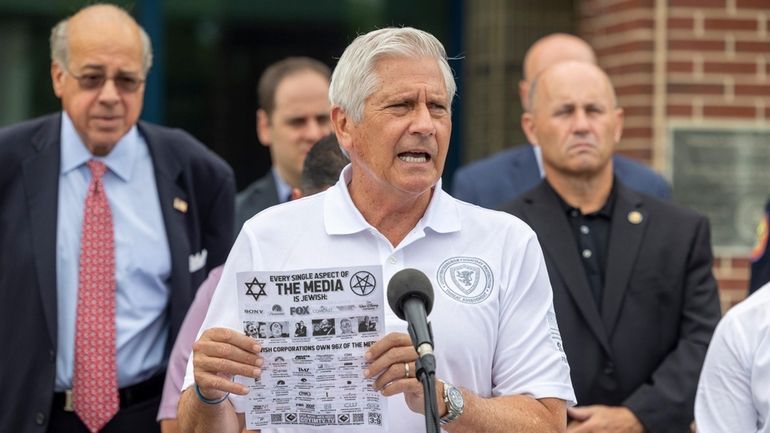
391 95
109 225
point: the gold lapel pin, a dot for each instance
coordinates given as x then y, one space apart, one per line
180 205
635 217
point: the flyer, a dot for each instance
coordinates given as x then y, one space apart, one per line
315 326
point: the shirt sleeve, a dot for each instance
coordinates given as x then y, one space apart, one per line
529 357
724 401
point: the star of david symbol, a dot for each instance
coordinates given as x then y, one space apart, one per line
362 283
250 289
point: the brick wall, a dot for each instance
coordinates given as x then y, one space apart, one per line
498 33
622 33
699 61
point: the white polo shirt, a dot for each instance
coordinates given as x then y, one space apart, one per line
493 323
734 386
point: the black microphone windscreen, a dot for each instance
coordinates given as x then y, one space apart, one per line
408 283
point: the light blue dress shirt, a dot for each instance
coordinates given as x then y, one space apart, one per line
539 158
282 188
142 257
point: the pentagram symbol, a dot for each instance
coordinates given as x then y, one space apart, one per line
362 283
250 287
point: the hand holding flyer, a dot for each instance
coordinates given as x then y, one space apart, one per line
314 327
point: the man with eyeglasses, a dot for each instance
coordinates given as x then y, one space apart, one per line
108 226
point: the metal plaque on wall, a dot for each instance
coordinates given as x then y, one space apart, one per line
725 174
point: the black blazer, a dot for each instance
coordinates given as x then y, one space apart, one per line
660 304
29 183
505 175
258 196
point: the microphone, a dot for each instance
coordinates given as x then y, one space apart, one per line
410 295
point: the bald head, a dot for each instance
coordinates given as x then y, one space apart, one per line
575 120
571 78
102 15
109 23
548 51
100 58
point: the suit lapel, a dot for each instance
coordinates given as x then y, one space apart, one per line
629 221
41 182
170 190
547 218
258 196
267 192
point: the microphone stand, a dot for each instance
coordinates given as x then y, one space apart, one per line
426 374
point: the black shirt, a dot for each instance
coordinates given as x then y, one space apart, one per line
592 234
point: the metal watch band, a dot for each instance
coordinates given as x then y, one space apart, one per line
453 411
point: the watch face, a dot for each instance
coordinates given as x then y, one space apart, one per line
455 397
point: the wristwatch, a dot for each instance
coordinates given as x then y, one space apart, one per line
453 399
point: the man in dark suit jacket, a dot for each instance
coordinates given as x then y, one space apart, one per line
634 295
501 177
100 59
293 115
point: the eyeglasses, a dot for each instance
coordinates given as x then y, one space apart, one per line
126 83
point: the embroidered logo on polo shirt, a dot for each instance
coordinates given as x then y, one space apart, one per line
465 279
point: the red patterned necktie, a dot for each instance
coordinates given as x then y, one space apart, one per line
95 381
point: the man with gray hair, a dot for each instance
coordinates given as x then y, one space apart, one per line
108 227
391 96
